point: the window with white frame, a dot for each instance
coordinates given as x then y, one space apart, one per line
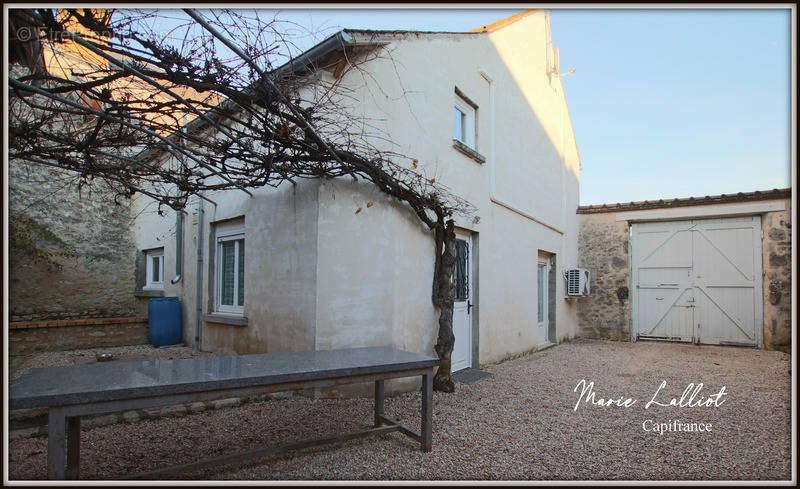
154 275
464 121
229 273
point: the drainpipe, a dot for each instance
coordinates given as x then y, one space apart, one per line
199 280
178 247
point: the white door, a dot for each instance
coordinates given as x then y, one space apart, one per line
542 271
462 307
728 280
662 254
698 281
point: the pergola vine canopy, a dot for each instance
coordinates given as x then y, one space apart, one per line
102 93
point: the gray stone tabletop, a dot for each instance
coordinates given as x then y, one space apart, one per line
79 384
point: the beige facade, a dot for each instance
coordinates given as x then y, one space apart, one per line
320 273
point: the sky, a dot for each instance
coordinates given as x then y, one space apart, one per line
677 103
664 102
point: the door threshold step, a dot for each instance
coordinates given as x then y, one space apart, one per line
470 375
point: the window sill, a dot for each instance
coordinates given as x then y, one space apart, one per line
148 293
469 151
224 319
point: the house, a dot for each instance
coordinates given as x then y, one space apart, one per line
336 264
713 270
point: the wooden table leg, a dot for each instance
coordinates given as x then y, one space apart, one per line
73 447
427 411
56 444
378 402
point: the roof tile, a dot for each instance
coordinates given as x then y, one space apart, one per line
678 202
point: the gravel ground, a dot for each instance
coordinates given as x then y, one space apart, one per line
519 424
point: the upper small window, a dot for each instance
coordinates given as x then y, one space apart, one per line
155 269
464 121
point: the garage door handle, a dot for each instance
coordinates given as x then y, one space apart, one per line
668 284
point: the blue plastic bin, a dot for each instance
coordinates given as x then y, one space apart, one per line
164 321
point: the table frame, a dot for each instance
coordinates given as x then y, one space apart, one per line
63 439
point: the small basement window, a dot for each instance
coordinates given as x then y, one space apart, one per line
154 278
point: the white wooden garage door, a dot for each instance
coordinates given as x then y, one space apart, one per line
698 281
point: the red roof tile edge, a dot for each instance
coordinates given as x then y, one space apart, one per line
785 193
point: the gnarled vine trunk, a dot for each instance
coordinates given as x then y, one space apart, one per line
443 298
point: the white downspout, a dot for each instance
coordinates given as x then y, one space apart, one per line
199 280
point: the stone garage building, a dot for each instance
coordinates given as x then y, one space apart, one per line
704 270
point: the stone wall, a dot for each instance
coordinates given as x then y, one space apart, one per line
95 276
28 337
777 259
603 249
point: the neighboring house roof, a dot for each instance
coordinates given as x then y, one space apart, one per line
329 50
784 193
71 61
320 54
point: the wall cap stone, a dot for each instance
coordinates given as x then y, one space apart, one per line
74 322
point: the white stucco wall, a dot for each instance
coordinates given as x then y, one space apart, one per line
383 259
150 231
280 277
375 270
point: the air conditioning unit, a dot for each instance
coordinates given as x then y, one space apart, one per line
577 282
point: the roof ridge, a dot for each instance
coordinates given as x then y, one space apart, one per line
499 24
402 31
